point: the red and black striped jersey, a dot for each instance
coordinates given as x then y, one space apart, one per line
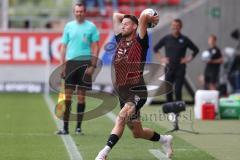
129 60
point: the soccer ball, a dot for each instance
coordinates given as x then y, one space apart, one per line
206 56
151 12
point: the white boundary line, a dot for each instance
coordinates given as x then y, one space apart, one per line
185 149
158 154
111 116
71 147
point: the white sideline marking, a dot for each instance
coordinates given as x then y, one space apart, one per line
158 154
111 116
71 147
185 149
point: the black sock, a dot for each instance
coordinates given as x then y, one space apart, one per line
80 109
113 139
66 114
65 126
156 137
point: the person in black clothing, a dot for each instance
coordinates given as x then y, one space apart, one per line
234 73
175 59
236 36
211 72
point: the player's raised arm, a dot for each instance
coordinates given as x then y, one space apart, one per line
144 20
117 19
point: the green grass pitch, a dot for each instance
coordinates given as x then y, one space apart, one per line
27 133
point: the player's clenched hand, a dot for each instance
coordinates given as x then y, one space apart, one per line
152 19
90 70
155 19
186 59
164 60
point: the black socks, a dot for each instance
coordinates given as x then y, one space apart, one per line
80 111
156 137
66 114
113 139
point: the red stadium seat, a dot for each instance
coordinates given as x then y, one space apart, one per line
97 23
142 1
109 10
155 1
123 1
126 9
104 25
136 2
159 1
139 9
174 2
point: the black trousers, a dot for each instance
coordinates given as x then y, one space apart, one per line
175 74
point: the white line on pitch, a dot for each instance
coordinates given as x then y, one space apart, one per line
111 116
71 147
185 149
158 154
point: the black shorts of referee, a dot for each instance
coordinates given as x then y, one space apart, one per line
75 76
136 94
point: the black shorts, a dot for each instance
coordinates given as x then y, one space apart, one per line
135 94
75 75
211 77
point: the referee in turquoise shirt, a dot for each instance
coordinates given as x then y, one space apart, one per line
79 53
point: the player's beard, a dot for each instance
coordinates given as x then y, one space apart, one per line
127 34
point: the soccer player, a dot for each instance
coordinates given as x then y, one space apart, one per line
79 51
128 65
211 73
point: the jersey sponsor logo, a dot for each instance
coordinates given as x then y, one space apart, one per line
181 40
213 51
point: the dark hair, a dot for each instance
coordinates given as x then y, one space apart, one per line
132 17
81 4
178 21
